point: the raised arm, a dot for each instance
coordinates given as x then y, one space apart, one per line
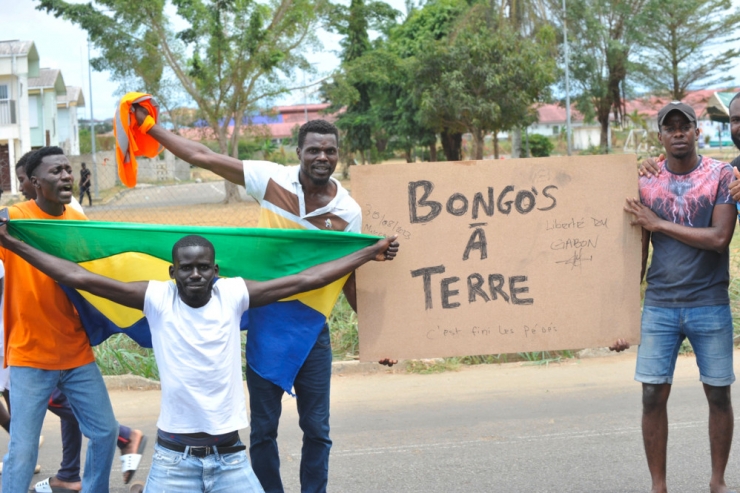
193 152
716 237
129 294
263 293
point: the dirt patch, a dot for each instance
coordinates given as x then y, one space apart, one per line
243 214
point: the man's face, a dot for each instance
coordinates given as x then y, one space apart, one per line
678 135
735 122
53 179
194 271
26 185
318 157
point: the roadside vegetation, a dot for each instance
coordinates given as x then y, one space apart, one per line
119 355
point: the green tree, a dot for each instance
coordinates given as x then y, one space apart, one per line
525 17
683 47
422 29
602 35
485 77
351 89
384 77
233 54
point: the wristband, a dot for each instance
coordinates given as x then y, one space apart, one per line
148 124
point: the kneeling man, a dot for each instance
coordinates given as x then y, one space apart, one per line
195 334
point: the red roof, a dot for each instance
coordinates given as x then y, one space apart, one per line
554 113
650 106
292 116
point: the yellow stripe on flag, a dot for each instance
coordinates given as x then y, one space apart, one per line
126 267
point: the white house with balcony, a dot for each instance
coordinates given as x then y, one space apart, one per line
43 117
19 62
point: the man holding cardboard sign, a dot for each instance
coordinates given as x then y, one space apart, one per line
689 215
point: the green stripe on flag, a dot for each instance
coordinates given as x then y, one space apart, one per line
255 253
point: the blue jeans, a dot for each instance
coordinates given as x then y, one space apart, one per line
69 469
709 330
85 389
312 385
179 471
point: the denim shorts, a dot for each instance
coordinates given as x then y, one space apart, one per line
709 330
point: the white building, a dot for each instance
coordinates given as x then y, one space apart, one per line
19 61
36 108
43 119
552 121
68 126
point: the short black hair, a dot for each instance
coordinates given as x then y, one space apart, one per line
190 241
736 96
23 160
317 127
34 160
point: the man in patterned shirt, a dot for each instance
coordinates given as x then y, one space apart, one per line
689 215
288 344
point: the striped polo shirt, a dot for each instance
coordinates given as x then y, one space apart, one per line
282 334
280 195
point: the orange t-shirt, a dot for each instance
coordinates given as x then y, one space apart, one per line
42 328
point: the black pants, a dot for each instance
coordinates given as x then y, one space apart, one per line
83 191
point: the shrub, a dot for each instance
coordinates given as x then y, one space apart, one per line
540 146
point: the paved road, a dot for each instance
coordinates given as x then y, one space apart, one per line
570 427
146 195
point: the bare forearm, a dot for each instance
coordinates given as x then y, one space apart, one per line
188 150
129 294
62 271
323 274
712 238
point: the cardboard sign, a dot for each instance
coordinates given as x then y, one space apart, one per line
499 256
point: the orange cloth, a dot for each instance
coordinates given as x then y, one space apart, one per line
131 140
42 328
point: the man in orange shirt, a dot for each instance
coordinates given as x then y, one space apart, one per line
47 347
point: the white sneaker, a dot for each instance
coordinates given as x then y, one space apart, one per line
41 440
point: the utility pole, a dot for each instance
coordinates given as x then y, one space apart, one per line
567 81
305 98
96 192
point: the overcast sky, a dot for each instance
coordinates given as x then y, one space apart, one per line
62 45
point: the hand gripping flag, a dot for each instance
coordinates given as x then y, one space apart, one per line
131 139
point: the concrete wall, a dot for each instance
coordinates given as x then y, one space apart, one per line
167 169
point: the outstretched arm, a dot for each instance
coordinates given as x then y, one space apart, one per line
194 153
263 293
129 294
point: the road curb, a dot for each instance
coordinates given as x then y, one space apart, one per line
133 382
130 382
364 368
338 368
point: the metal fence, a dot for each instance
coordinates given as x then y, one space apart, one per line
168 191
